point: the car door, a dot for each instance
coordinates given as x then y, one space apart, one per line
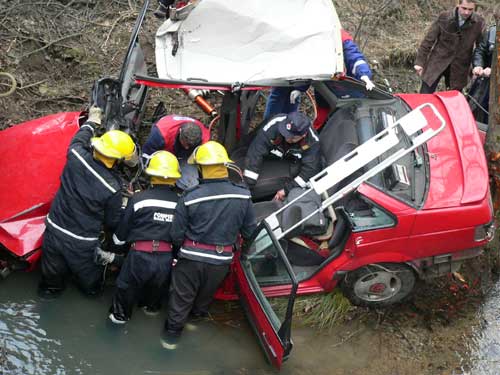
260 264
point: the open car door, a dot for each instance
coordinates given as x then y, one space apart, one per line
122 100
259 263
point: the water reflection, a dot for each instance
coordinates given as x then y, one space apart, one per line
485 341
25 347
71 335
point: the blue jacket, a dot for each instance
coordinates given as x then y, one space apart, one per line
354 60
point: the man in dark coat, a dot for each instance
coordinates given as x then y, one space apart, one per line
146 227
285 136
448 46
479 94
90 197
207 223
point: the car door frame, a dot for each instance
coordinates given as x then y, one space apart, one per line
276 342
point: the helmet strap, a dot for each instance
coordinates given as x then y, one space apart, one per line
108 162
156 180
214 171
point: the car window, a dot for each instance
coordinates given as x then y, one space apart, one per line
264 266
365 215
405 179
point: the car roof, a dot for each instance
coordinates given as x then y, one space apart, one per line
242 41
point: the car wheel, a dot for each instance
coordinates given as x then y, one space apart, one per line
378 285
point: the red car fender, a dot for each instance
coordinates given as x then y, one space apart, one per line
23 205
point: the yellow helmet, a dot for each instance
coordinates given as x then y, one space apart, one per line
209 153
163 164
114 144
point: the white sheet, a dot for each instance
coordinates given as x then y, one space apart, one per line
250 40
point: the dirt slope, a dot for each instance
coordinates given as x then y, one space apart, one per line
55 49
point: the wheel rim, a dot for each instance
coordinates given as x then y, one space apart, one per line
377 286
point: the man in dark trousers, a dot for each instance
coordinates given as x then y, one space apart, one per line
447 48
285 136
146 227
90 197
207 221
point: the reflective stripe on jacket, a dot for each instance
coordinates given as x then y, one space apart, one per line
270 141
148 216
213 213
89 195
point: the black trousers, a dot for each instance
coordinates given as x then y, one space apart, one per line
429 89
193 287
63 256
143 279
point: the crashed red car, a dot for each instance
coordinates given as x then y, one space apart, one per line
404 193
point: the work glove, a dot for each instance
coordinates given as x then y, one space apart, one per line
487 72
102 257
95 115
295 96
369 84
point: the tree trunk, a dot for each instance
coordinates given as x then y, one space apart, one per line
492 146
493 136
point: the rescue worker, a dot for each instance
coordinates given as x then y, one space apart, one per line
285 136
207 221
146 226
287 99
90 197
179 135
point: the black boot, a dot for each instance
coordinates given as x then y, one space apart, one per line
161 12
170 338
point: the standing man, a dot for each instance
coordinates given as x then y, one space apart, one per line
285 136
90 197
146 226
481 62
207 221
448 46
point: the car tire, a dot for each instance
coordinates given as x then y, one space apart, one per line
379 285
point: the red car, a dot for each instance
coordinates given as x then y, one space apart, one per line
404 194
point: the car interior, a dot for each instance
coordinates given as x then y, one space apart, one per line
353 118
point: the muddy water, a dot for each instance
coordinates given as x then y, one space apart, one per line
71 335
485 342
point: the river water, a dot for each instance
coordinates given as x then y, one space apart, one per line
485 343
71 335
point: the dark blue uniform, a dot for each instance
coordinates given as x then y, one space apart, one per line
146 225
89 197
207 221
269 141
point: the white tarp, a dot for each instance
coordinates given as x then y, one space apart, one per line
250 40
